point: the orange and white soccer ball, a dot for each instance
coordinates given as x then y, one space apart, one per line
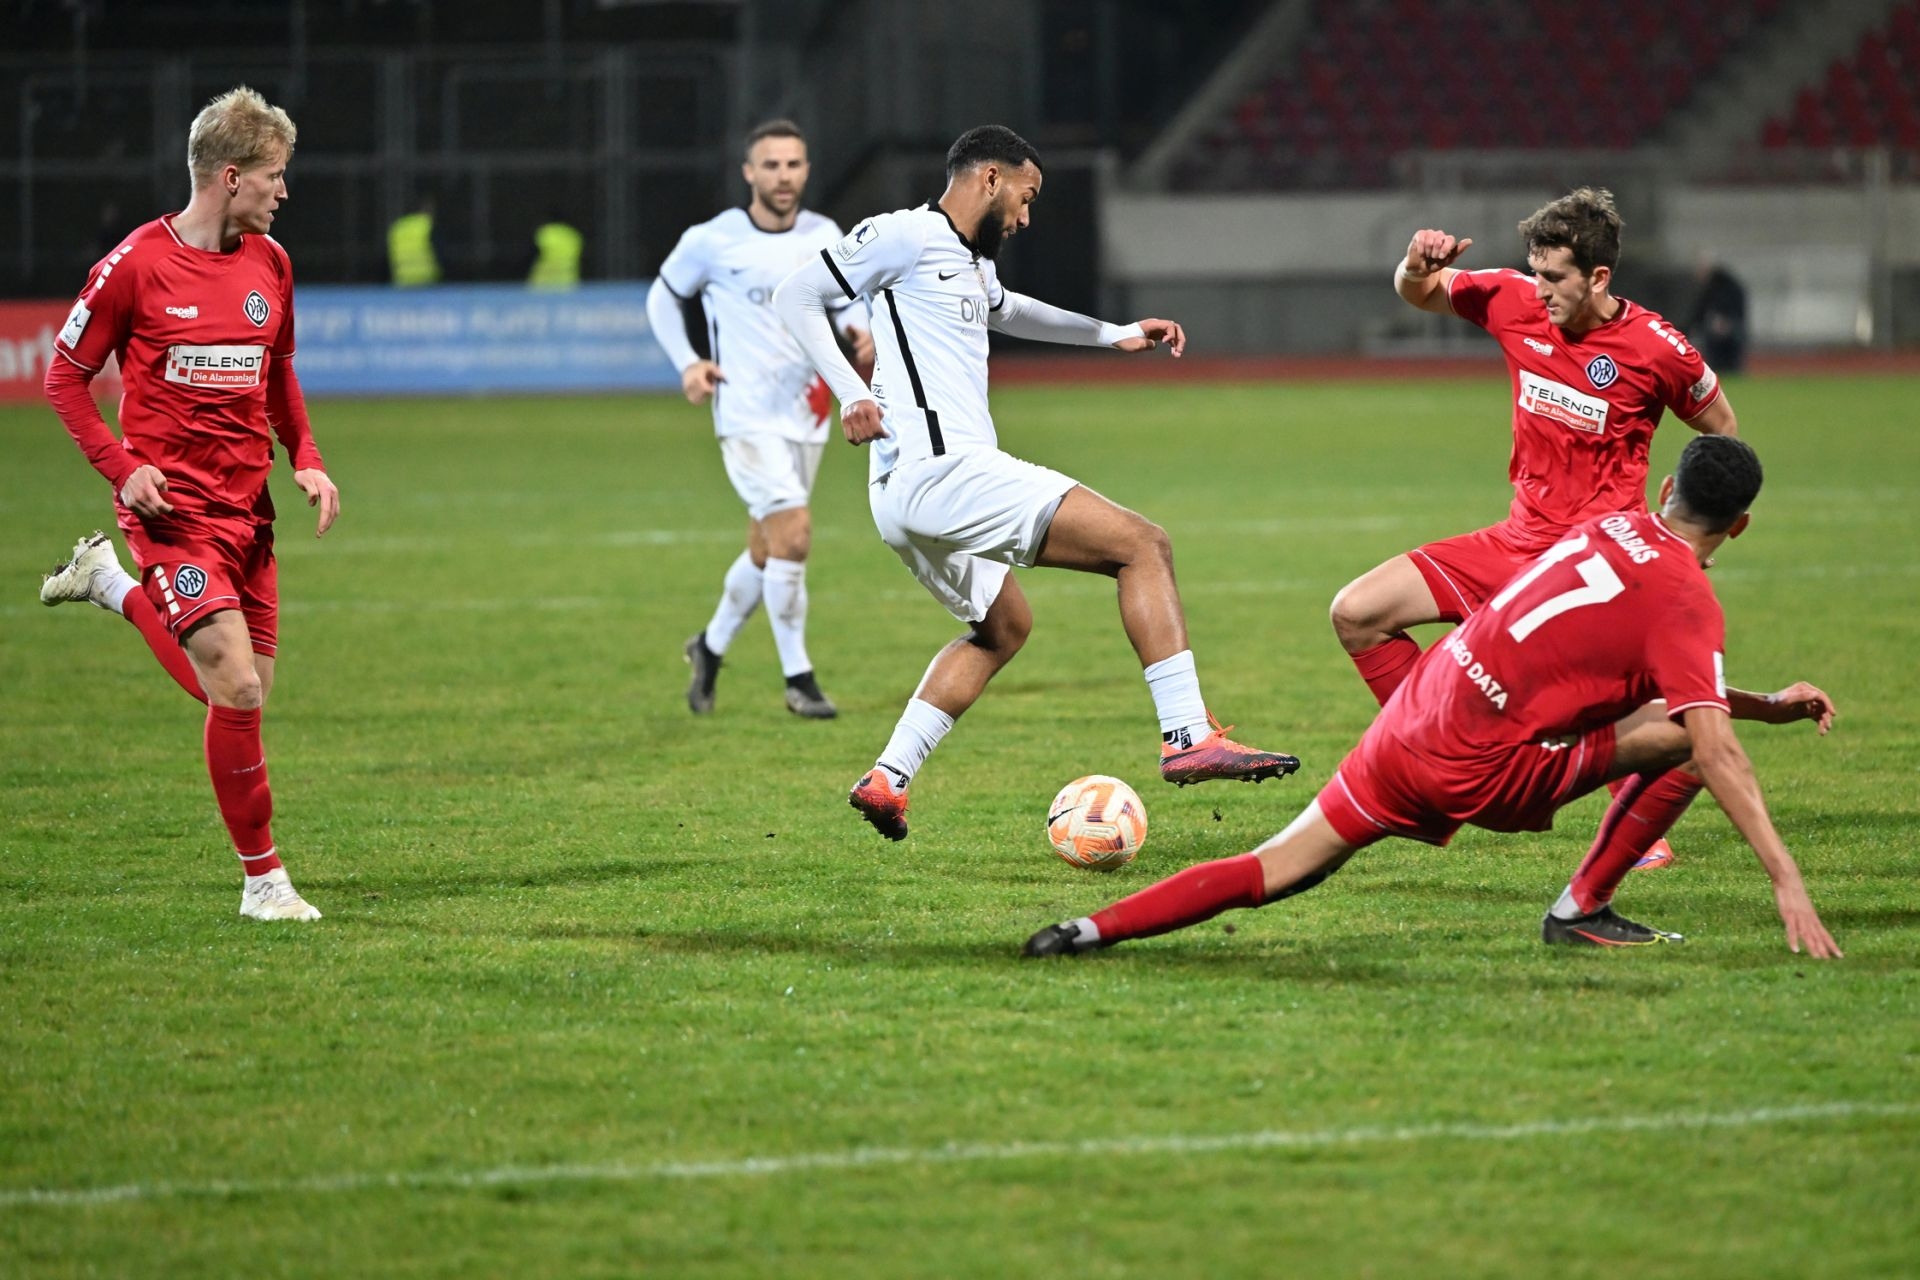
1097 822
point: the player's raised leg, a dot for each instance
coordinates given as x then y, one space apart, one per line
93 573
789 538
237 680
1094 535
1371 615
1648 747
954 680
1297 859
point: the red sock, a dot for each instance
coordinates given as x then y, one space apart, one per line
1385 665
139 610
1644 808
238 767
1187 897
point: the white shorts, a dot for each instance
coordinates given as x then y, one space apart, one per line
771 473
959 522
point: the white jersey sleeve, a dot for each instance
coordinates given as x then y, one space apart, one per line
690 265
666 312
801 302
878 253
1024 317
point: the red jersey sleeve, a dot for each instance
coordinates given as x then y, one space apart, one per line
97 327
1687 386
1686 651
1476 295
103 316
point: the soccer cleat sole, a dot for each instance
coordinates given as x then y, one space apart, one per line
72 581
1280 768
892 826
1567 933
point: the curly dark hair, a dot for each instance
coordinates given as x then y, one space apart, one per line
990 144
1717 479
1583 221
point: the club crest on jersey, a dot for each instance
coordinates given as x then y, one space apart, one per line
189 581
1602 372
257 309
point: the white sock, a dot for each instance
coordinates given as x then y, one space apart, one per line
1176 697
921 727
785 588
1566 908
738 600
115 595
1089 936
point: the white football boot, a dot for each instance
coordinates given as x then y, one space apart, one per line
92 574
273 897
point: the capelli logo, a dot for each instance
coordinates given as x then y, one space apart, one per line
184 313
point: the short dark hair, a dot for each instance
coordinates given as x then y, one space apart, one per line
990 144
1717 479
778 128
1583 221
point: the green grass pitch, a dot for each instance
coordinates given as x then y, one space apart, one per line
604 990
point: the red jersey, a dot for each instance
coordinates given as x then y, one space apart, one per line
1616 614
200 335
1585 405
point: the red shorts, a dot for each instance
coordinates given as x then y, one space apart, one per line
1465 572
191 567
1386 787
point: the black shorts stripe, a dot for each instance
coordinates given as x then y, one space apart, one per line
837 277
713 344
913 376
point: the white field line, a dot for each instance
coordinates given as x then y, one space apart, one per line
860 1158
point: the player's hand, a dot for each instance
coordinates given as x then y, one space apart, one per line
1158 333
1802 701
145 492
861 340
860 422
320 493
1803 923
1431 251
700 380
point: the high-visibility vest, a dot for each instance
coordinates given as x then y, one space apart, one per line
410 250
557 265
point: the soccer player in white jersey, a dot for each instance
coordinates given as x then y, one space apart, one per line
955 508
769 410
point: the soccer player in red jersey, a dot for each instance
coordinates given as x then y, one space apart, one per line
1591 374
1601 660
198 306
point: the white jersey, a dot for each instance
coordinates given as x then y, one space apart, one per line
932 299
733 266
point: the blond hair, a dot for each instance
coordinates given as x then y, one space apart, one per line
237 128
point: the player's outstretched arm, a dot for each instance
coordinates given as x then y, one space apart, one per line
1729 776
1021 316
1421 277
1798 701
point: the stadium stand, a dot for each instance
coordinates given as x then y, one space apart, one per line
1869 98
1382 76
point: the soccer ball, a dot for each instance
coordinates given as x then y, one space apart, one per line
1097 822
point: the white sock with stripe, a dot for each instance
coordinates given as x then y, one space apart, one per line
1176 697
921 727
